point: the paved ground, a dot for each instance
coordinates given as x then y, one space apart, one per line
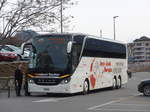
126 99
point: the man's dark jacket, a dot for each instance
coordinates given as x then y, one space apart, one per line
18 75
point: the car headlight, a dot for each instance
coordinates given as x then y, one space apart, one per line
66 80
26 53
5 55
14 55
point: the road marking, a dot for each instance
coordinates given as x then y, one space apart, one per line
123 110
130 104
111 102
102 105
49 100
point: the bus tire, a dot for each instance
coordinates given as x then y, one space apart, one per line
85 87
119 83
114 85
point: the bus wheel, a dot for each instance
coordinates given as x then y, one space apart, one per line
119 83
85 87
114 83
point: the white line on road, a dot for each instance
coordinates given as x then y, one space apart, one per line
99 106
49 100
131 104
123 110
111 102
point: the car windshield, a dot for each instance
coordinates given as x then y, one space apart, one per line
51 53
14 47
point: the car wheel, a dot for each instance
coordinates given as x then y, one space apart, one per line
146 90
85 87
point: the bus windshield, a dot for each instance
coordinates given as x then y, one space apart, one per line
50 55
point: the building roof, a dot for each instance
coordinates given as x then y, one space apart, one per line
143 38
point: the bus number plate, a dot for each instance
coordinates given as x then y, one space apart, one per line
46 89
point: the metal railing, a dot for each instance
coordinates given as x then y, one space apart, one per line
7 83
139 67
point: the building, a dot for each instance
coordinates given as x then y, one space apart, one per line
141 49
130 52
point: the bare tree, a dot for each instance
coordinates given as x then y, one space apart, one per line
24 14
2 3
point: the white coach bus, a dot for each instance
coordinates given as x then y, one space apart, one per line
71 63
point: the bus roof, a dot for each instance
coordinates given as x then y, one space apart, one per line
82 34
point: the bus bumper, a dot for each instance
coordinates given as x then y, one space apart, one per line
61 88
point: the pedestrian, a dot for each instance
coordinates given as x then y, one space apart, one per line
18 79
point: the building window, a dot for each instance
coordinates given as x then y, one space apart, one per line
138 53
140 48
139 44
139 57
148 53
147 57
147 44
147 48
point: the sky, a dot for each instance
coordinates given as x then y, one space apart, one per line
91 16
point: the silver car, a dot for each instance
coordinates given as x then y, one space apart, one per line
16 50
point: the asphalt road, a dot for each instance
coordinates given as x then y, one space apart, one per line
126 99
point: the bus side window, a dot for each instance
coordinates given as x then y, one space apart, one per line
76 55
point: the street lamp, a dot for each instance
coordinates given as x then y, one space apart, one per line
101 33
61 18
114 26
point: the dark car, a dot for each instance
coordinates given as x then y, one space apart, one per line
144 87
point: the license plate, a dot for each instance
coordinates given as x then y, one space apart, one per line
46 89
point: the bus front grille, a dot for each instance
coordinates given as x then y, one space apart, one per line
47 81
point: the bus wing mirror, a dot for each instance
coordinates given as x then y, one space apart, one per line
23 47
69 47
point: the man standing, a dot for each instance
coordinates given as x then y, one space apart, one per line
18 79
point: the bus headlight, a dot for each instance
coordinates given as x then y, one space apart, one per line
31 81
66 80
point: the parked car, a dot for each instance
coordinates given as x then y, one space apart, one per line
144 87
7 56
17 50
